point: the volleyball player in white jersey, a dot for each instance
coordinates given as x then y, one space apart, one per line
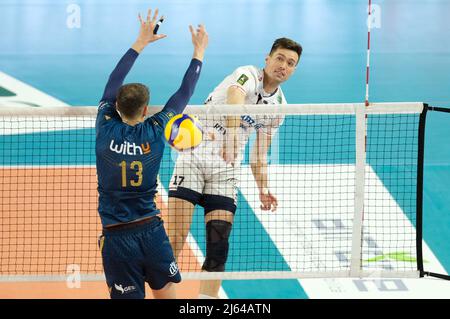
208 176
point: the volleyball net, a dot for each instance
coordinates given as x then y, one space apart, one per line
348 180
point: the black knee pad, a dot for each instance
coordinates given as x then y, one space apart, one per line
217 235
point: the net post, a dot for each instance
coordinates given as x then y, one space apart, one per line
435 275
419 199
419 202
360 168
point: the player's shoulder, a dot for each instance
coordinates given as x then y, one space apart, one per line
282 97
107 112
280 92
247 74
250 69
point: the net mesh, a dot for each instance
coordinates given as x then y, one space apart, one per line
48 194
389 232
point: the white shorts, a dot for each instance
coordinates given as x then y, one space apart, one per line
206 181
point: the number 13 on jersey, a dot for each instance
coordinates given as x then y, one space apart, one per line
136 167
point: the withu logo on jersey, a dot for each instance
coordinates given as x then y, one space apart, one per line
127 148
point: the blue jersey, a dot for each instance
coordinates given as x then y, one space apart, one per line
129 157
128 161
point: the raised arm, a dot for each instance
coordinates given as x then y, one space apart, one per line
125 64
118 75
181 97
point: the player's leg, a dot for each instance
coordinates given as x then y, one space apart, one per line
218 228
167 292
161 269
179 218
220 205
121 264
185 189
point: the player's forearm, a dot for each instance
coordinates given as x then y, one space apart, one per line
118 75
180 99
139 46
234 97
199 53
260 174
259 160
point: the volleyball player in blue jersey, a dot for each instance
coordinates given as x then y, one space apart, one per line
134 245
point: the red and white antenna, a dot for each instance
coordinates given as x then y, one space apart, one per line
360 168
369 26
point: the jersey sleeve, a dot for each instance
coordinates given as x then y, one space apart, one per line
118 75
106 112
243 79
178 100
159 120
181 97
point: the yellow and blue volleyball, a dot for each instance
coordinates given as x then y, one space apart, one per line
183 132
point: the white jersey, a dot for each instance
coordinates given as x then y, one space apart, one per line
249 79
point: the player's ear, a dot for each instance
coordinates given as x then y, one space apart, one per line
145 111
117 109
267 59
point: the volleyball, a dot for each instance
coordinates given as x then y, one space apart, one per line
183 132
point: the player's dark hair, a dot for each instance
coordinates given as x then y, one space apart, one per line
131 98
285 43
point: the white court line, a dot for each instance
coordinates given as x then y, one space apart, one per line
26 95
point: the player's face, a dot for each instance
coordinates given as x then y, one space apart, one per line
281 64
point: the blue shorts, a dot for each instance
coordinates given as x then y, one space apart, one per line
137 254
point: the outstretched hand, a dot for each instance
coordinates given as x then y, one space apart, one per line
146 34
199 40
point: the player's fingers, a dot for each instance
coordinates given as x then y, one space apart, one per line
192 30
274 199
265 201
274 206
149 14
140 18
155 16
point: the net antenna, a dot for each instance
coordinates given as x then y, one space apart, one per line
361 150
369 26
